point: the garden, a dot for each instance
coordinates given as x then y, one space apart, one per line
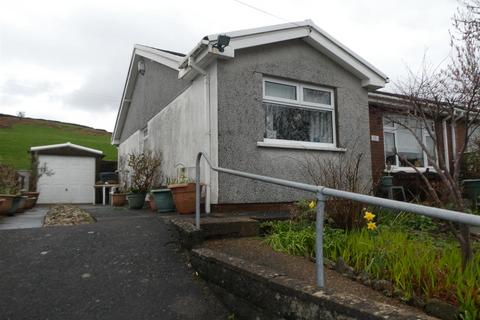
407 256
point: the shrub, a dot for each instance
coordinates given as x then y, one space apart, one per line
343 172
37 171
145 170
9 183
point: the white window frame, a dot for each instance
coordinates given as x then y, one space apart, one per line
392 130
301 104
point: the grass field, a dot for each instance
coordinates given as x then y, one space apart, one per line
17 135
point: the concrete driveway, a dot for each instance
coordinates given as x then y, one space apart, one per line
32 218
125 266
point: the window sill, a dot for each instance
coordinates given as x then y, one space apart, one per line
286 145
410 170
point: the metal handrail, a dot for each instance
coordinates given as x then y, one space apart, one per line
322 193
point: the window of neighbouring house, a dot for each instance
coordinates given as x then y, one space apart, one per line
401 144
474 140
295 112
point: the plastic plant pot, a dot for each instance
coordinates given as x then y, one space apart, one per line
136 200
163 200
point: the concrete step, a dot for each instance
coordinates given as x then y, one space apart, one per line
229 227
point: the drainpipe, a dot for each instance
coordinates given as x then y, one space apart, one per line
445 144
206 77
454 135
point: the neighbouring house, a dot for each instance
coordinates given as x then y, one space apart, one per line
390 142
257 100
73 170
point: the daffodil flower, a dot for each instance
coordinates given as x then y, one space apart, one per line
371 226
369 216
311 205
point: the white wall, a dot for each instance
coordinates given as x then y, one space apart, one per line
181 130
130 145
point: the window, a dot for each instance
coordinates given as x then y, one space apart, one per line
298 113
474 140
401 145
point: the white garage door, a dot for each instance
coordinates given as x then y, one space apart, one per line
72 180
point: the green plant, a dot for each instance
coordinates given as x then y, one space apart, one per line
404 220
145 170
416 263
179 180
8 180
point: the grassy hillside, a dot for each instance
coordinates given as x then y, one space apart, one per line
17 135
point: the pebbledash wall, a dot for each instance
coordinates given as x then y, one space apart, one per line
153 91
241 119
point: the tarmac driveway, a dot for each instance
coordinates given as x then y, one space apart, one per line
125 266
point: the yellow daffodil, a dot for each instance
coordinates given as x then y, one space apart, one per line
369 216
371 226
311 205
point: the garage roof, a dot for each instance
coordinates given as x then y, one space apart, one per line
67 145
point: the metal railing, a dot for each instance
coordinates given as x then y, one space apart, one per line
322 193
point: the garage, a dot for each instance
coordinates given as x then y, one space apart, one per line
72 171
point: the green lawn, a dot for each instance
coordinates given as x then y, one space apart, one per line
16 140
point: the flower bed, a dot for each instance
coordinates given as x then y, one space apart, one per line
67 215
418 263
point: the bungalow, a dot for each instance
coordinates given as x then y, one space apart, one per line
256 100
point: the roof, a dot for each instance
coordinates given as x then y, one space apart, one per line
371 77
65 145
205 52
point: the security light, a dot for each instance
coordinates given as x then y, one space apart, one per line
222 41
141 67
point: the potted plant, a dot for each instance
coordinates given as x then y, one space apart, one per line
36 172
150 202
5 204
183 192
30 202
22 204
162 197
9 190
144 173
119 197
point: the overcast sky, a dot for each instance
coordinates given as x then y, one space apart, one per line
67 60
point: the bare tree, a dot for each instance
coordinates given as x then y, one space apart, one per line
449 94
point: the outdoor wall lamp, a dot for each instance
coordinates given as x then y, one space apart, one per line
222 41
141 67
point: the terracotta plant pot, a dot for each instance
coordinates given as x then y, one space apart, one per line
35 195
183 197
151 203
118 199
21 206
7 203
3 203
30 203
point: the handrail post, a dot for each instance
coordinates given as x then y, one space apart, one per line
197 190
319 239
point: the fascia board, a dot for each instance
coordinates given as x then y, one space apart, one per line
65 145
158 57
344 58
